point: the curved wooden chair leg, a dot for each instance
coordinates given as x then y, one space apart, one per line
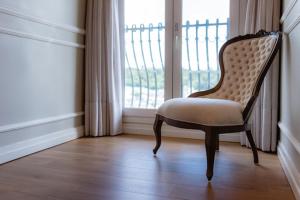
217 142
210 145
157 131
253 146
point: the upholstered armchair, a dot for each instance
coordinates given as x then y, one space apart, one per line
226 108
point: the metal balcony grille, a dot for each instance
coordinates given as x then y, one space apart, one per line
144 56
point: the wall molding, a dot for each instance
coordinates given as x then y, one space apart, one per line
287 133
47 120
69 28
40 38
290 170
288 10
293 25
26 147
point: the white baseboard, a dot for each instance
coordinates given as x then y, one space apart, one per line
147 129
290 170
24 148
287 133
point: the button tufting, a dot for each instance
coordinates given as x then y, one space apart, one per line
243 68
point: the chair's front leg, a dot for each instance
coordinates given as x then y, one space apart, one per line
217 142
210 145
157 131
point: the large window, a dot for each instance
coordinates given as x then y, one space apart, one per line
171 48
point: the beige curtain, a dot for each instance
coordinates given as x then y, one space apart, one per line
104 60
253 16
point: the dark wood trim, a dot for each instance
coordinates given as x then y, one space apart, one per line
157 131
188 125
253 146
210 146
212 132
217 142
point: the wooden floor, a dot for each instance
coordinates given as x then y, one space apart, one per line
124 168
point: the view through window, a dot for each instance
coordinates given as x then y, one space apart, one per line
145 53
204 28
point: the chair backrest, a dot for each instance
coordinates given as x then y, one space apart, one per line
244 62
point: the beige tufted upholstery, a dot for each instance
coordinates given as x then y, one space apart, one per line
209 112
243 63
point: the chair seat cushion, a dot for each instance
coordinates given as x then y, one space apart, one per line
204 111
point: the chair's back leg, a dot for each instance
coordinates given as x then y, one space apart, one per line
210 145
253 146
157 131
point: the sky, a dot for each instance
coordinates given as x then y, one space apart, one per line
153 11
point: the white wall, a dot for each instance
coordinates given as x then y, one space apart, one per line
41 73
289 145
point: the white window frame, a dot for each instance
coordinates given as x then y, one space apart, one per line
140 120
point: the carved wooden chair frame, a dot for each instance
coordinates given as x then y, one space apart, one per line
212 132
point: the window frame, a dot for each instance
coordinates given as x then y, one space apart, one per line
140 120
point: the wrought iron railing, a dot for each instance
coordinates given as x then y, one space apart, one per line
144 56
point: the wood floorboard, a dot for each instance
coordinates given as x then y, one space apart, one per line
123 167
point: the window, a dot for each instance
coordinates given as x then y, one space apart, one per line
144 53
171 48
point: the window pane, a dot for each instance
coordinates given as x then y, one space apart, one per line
144 51
204 30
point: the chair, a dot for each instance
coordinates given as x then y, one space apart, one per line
226 108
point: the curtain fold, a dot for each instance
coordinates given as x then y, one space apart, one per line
255 15
103 67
